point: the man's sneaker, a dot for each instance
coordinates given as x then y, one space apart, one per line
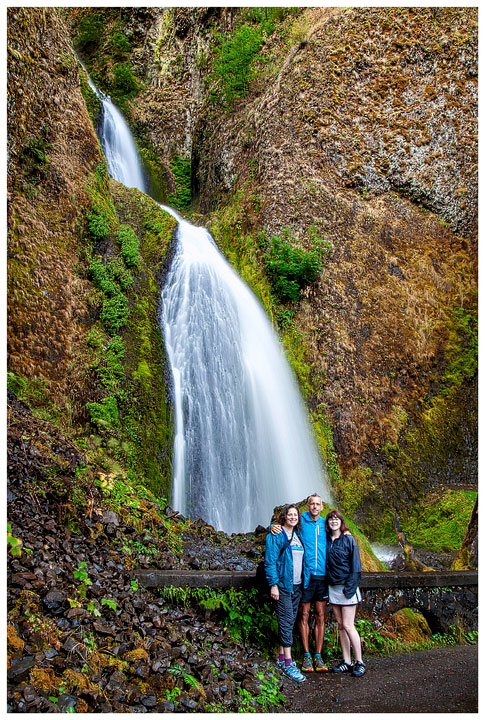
359 669
292 672
319 664
342 668
307 665
280 664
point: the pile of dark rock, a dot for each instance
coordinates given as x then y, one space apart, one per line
82 634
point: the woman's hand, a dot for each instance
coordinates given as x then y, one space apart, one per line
275 529
275 592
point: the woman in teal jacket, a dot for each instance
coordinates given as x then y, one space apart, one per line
283 566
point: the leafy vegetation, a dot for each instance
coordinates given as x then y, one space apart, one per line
291 269
231 73
124 85
243 612
181 169
130 246
14 544
233 67
268 698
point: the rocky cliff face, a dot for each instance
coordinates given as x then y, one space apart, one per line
84 343
52 150
357 127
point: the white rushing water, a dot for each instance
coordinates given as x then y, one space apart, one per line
243 440
122 157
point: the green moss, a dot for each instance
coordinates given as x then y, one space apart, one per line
92 101
440 520
146 418
154 167
356 485
181 169
296 353
89 32
324 436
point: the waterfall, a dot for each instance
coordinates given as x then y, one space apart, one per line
119 148
243 442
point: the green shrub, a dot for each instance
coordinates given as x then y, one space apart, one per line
120 42
115 312
35 391
119 273
290 269
111 372
232 63
105 413
267 17
98 223
129 246
98 273
124 85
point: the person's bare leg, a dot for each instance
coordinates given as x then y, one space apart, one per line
303 625
344 638
348 617
319 629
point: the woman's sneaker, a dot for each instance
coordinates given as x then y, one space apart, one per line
292 672
342 668
319 664
280 664
307 665
359 669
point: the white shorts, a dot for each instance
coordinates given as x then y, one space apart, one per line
336 596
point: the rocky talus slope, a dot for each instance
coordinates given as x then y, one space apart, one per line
82 636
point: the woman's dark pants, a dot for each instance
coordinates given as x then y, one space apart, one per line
286 610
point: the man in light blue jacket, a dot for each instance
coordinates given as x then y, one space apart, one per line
314 583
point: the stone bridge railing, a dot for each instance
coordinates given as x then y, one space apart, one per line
444 598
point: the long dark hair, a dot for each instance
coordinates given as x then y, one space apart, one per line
335 513
283 515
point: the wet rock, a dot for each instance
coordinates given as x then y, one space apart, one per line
67 703
166 706
188 702
110 518
20 667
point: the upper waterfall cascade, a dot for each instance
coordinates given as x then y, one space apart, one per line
122 157
243 441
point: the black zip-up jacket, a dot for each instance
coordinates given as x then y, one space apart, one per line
343 563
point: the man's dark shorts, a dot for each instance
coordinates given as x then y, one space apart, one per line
317 590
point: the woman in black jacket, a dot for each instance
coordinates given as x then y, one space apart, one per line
343 571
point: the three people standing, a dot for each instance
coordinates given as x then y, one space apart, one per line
330 570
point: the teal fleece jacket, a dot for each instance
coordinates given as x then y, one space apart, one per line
278 565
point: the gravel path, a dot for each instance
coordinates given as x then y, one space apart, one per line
435 681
